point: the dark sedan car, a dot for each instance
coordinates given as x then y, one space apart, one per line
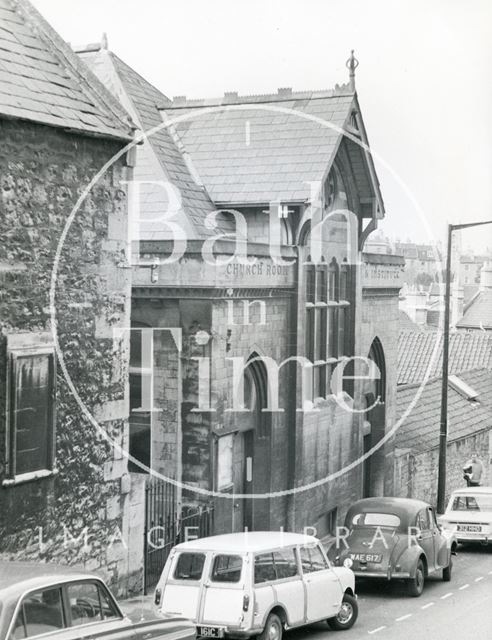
394 538
60 603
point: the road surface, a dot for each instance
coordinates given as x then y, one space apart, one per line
456 610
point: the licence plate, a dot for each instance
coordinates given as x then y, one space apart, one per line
210 632
472 528
367 557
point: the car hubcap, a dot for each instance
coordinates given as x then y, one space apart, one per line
274 632
345 613
420 580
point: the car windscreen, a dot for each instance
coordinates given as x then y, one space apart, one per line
373 519
227 568
472 502
189 566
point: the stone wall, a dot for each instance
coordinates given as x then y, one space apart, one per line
270 459
77 515
415 474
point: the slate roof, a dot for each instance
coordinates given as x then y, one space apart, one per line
420 429
478 313
162 149
42 80
467 350
255 155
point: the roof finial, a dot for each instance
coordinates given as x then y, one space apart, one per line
352 64
104 41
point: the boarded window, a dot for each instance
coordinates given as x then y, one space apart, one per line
31 411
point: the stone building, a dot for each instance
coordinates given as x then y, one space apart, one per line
212 324
65 494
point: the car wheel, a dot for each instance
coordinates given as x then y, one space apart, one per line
273 628
416 584
347 615
446 572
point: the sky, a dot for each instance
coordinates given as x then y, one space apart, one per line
424 81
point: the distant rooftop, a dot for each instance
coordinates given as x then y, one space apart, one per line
478 312
467 350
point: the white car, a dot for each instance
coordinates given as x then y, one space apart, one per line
469 515
246 584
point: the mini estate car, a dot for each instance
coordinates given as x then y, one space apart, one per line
469 515
255 583
51 602
394 538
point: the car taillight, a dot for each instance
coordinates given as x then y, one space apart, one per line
245 602
157 597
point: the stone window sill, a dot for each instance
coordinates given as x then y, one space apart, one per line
29 477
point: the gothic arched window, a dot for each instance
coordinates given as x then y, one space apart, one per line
327 320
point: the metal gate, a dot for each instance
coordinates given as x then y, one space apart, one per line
167 525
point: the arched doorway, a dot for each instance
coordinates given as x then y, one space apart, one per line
375 423
256 435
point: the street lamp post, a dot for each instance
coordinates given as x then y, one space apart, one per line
443 432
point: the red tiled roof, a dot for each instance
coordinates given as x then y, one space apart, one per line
467 350
420 429
42 80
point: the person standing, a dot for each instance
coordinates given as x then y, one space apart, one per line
473 471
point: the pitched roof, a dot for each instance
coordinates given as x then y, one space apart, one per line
467 350
406 323
159 158
478 312
420 429
42 80
257 149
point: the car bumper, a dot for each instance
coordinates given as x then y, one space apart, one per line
382 575
464 536
229 632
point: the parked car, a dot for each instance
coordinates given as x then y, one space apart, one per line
469 515
246 584
394 538
60 603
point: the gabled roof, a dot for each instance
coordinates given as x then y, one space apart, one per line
420 430
252 150
159 158
467 350
43 81
478 312
406 323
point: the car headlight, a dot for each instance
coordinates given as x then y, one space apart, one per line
347 563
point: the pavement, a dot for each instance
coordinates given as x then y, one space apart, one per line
462 607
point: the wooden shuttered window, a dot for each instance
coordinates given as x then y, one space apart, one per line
31 411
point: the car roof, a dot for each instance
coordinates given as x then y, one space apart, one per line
18 577
468 490
404 508
247 541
